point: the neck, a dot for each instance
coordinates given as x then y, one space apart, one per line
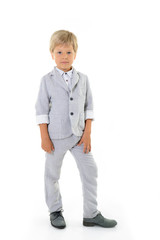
65 70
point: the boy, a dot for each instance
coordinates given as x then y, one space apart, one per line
64 112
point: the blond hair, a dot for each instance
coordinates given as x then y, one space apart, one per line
63 37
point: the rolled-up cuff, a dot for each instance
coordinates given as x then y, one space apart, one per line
42 119
89 114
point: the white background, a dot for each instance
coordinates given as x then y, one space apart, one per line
119 50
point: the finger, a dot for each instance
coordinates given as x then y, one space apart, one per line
85 149
88 149
79 143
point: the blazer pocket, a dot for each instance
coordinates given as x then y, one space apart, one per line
55 124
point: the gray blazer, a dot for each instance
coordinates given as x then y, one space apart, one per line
64 108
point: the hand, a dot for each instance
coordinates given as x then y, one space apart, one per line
47 145
86 140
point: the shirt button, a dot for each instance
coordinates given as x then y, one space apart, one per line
71 113
71 98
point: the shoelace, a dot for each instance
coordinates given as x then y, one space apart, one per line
56 214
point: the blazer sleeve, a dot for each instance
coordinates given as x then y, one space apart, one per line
42 104
88 108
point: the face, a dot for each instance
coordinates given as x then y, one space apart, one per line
64 56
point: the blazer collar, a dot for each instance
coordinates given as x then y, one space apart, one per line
59 79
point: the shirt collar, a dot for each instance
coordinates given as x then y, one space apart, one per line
61 71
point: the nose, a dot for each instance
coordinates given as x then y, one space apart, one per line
64 55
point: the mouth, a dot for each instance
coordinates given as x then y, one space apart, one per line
64 62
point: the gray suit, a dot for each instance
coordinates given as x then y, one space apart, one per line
64 109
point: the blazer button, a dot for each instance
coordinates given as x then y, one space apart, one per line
71 98
71 113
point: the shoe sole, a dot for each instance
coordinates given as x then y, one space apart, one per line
60 227
88 224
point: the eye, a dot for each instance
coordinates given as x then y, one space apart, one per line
59 52
69 52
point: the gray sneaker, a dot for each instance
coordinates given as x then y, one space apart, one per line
57 220
99 220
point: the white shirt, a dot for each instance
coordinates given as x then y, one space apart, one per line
67 76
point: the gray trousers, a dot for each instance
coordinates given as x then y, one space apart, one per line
88 174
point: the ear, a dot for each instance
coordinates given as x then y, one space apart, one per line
52 55
74 56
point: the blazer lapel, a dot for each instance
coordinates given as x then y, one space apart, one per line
59 79
75 78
